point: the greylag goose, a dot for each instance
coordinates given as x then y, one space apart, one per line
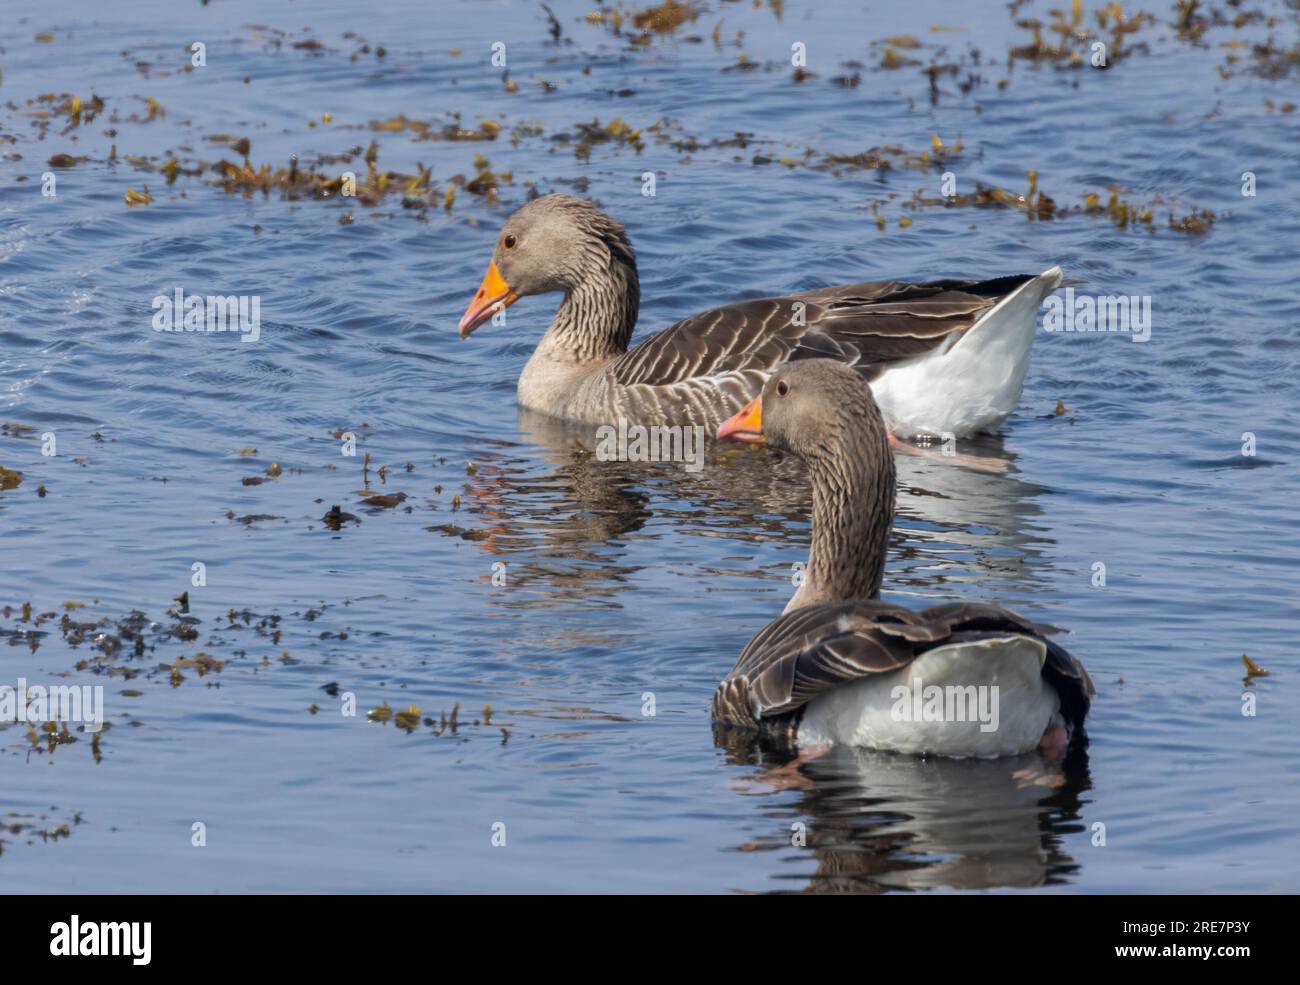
946 356
827 671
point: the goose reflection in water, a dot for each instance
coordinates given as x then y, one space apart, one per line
562 525
881 822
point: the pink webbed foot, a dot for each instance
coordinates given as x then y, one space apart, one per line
1054 742
789 777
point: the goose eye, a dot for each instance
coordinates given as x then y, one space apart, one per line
782 388
509 242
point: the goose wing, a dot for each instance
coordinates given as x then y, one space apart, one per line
811 650
869 326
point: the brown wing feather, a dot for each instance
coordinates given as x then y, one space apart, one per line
819 647
868 326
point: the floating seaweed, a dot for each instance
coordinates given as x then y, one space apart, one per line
30 827
1253 669
666 18
485 182
408 719
134 198
203 663
617 131
335 518
386 502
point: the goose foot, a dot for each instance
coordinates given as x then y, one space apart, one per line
806 755
1054 742
1051 778
788 777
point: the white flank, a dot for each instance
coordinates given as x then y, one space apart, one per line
975 384
863 713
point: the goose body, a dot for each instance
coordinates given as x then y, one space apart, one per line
880 711
946 356
867 674
841 667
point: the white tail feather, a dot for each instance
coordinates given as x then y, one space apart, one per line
975 384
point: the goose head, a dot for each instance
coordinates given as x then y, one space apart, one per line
823 412
818 409
553 243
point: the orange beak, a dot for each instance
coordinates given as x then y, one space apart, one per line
746 424
494 295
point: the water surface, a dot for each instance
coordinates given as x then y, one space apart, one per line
623 583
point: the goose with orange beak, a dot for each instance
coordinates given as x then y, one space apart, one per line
494 295
829 670
746 424
945 356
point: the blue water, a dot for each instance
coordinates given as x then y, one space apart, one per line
624 584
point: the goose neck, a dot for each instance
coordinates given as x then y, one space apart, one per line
853 509
596 318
